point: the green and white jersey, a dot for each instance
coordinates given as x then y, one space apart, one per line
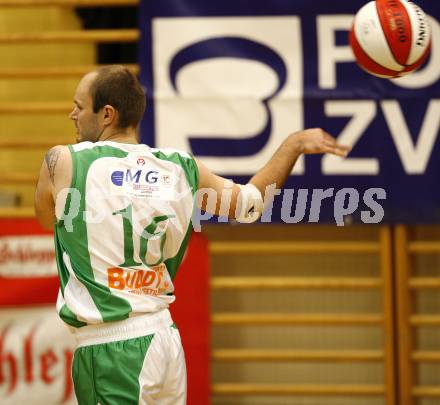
125 228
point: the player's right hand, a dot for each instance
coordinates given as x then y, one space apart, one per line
315 141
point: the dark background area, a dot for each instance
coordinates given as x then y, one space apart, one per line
108 18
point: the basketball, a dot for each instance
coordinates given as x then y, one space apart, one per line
390 38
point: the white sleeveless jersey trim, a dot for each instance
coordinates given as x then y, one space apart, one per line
128 147
78 147
60 301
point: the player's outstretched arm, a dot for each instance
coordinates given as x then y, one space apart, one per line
238 201
55 174
307 142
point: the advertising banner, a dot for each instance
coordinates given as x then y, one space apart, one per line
36 348
229 80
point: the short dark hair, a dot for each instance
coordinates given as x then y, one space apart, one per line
117 86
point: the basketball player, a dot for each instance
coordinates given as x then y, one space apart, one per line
121 212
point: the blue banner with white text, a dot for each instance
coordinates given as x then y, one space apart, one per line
228 80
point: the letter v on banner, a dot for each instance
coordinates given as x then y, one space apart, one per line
414 156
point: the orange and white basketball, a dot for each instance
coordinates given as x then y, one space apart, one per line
390 38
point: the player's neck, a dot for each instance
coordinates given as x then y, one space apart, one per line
119 135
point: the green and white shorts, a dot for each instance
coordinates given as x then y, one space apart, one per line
136 361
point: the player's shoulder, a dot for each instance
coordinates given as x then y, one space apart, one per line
170 152
78 147
54 154
59 162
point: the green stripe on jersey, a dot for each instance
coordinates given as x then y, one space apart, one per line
191 170
69 317
111 307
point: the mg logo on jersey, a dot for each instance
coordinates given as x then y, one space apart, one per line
228 89
117 178
134 176
142 183
151 177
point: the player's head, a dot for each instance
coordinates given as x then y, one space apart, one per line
110 97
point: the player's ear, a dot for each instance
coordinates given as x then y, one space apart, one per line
109 114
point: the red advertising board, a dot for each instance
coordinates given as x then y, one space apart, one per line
36 348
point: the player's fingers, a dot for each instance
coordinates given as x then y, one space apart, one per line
336 150
334 144
328 137
331 141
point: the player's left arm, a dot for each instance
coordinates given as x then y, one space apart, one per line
51 180
213 190
220 196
